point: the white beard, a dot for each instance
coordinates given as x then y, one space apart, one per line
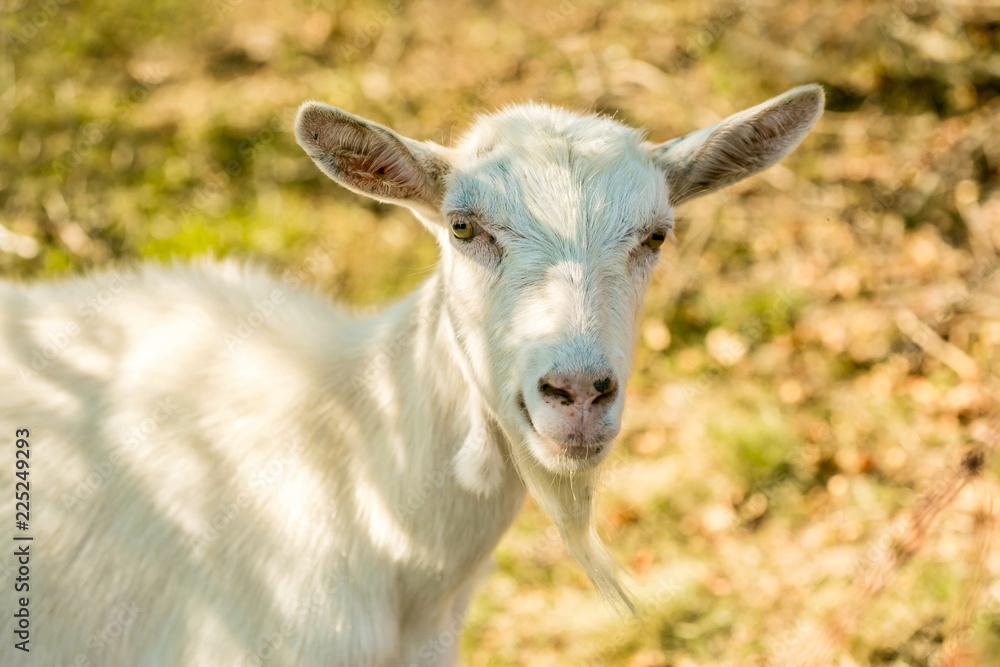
568 500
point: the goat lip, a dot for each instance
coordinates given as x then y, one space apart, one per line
570 451
524 412
579 452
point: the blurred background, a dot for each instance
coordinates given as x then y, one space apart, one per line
814 348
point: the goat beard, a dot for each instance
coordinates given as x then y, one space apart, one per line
568 500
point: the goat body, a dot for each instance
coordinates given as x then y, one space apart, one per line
227 469
242 464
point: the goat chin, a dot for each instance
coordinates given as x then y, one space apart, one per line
567 498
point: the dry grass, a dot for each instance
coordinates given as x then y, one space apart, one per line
818 350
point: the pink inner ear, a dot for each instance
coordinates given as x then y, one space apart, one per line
372 160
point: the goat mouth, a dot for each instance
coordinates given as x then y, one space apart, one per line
580 452
570 451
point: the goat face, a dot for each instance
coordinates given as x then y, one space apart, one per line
552 224
549 224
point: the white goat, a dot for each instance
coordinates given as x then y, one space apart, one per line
228 470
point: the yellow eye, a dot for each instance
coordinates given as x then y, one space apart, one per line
463 228
656 239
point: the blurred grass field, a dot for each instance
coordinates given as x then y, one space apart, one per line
785 406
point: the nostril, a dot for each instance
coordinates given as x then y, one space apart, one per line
606 390
583 389
549 391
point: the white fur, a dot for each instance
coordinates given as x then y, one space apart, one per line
227 469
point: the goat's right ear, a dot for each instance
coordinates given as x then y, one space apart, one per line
371 159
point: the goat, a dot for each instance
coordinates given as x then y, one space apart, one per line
228 469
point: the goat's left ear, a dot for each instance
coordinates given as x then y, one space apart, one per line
371 159
739 146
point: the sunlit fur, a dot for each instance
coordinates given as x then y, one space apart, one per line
263 479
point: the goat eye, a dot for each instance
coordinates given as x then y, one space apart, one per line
656 239
463 229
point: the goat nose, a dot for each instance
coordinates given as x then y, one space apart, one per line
581 389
